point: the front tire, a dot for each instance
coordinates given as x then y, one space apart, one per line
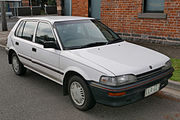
17 66
80 94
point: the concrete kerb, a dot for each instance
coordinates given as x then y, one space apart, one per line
2 46
174 85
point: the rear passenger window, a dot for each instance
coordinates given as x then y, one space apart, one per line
28 30
44 33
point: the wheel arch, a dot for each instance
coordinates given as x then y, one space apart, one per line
11 51
67 76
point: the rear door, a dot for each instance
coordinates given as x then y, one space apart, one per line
46 60
23 41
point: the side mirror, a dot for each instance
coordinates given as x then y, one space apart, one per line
50 44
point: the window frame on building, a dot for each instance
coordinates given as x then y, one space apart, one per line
150 11
150 14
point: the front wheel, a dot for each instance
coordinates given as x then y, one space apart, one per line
17 66
80 94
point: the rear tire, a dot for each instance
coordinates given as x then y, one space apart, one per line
17 66
80 93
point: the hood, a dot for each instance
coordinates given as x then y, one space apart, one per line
123 58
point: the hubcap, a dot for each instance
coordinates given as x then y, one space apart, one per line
15 63
77 93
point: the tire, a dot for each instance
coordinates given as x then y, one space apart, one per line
17 66
80 94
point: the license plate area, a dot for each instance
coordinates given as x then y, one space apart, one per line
151 90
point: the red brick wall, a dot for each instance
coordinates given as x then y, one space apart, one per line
80 8
25 2
122 16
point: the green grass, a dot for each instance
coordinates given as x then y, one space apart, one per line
176 66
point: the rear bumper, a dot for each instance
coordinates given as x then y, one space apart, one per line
134 92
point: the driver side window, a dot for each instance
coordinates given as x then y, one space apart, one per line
44 33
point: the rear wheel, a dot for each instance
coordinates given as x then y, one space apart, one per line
17 66
80 94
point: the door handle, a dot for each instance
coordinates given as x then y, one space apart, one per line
17 43
34 49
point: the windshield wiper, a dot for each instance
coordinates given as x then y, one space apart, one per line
94 44
115 41
73 47
88 45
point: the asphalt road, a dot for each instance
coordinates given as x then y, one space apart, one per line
33 97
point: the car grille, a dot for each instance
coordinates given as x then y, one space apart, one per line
151 74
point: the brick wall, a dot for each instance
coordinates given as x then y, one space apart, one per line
25 2
122 16
80 8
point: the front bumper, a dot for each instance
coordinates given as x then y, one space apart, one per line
134 92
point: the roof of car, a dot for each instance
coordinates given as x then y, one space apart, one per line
53 19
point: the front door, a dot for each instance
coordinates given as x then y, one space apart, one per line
46 60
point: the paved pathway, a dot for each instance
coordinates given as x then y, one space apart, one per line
3 37
10 23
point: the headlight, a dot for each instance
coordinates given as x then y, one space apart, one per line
119 80
167 65
126 79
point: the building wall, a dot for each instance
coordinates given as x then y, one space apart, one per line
122 16
80 8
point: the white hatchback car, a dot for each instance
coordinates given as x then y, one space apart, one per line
91 61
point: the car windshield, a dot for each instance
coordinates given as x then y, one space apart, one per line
85 33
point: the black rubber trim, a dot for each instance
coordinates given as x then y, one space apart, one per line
24 57
41 64
48 67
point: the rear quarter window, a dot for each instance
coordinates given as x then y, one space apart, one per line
19 29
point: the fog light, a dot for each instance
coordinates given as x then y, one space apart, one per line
117 94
